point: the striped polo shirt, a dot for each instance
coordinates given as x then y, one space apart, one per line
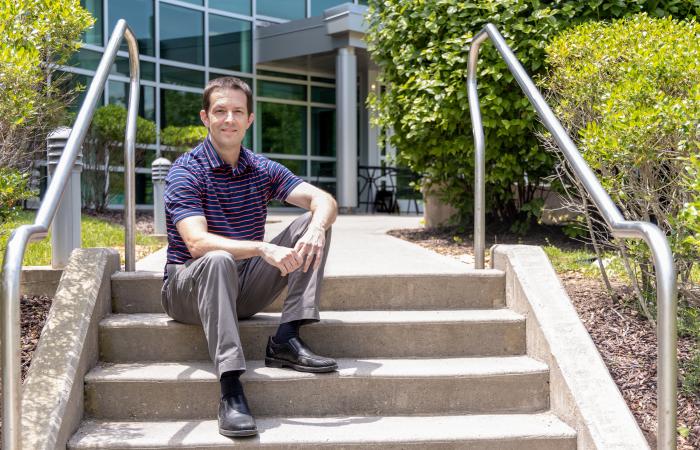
232 199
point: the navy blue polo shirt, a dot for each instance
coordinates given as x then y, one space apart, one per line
232 199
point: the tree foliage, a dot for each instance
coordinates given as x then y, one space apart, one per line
184 137
629 94
35 37
421 48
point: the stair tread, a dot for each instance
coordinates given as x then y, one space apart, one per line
382 316
141 275
200 371
350 430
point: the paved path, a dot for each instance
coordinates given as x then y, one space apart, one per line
360 246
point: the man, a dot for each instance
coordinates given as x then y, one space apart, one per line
219 269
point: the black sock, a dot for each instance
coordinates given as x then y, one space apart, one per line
230 383
286 331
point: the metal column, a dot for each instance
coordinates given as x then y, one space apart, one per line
346 125
65 228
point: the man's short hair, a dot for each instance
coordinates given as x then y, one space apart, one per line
227 83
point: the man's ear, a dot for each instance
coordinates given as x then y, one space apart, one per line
204 118
251 118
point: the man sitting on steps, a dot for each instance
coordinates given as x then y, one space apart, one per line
219 269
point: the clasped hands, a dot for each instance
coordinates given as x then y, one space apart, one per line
308 249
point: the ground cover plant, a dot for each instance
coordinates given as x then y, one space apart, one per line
97 231
421 48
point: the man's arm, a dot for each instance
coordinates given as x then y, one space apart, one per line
324 211
199 241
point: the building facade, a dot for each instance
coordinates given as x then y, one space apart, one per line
306 61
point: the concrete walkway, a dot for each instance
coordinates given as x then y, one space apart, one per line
360 246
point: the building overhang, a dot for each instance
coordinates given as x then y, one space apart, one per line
313 42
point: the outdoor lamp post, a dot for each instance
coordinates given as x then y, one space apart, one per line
159 170
65 234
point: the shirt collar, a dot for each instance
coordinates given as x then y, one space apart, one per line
216 162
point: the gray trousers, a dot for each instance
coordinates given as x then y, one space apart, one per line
216 290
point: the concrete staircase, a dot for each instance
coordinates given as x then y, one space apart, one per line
424 362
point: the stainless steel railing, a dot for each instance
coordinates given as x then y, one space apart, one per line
16 245
656 240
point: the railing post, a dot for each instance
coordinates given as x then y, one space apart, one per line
65 228
159 170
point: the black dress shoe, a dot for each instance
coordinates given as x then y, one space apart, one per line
298 356
235 418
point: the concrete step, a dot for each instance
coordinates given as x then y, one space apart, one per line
139 292
191 390
476 432
340 334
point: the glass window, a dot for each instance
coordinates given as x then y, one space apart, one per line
288 9
328 186
181 34
94 34
230 43
80 83
362 2
194 2
323 80
323 95
234 6
281 128
85 59
183 77
139 14
213 75
297 166
323 168
179 108
121 67
274 89
119 95
293 76
323 131
318 6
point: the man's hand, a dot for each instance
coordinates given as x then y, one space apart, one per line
311 245
286 259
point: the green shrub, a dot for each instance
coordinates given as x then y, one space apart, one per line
629 93
36 36
184 137
14 187
421 48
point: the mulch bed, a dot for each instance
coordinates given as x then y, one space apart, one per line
624 338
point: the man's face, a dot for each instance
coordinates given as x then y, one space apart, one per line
227 118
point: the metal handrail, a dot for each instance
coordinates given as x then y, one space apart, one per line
16 245
621 228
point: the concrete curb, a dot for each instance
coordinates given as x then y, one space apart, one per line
52 400
582 392
40 280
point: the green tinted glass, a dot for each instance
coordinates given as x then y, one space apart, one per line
94 34
234 6
230 43
139 14
281 128
119 95
270 73
287 9
323 131
323 95
181 34
323 168
297 166
179 108
183 77
318 6
274 89
85 59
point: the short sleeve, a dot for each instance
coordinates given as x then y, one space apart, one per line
282 181
183 195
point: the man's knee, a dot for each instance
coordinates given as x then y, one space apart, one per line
219 258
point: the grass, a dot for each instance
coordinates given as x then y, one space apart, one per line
95 233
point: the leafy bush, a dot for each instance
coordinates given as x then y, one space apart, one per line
103 148
14 187
183 137
35 37
629 93
421 48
